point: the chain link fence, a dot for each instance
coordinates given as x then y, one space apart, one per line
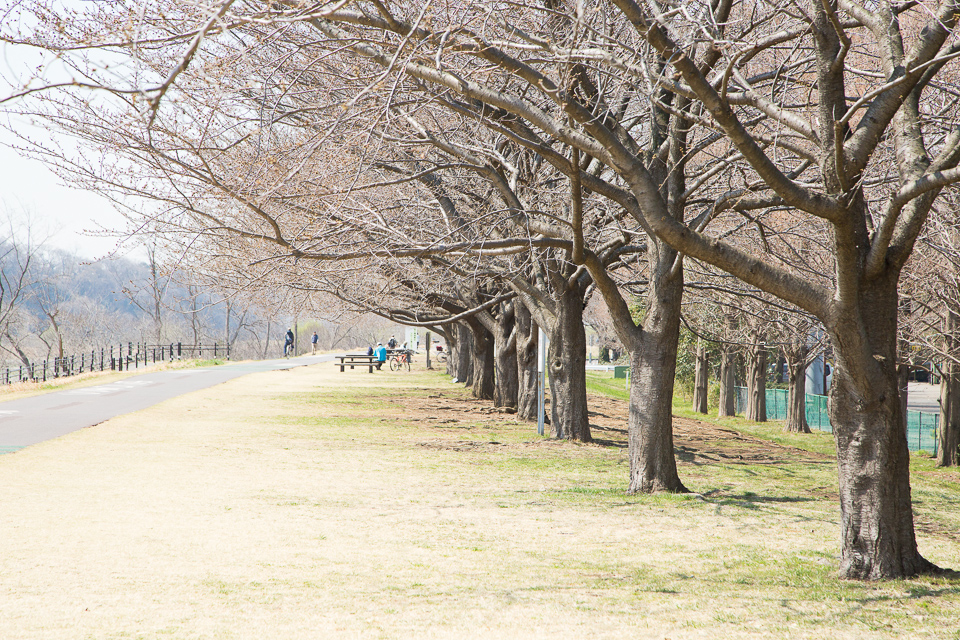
922 427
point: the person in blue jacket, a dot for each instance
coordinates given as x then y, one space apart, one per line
381 354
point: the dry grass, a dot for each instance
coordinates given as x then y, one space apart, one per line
314 504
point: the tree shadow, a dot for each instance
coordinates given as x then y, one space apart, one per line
749 498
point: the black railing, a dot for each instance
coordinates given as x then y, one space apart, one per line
122 357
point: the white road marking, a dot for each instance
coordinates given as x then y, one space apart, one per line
114 387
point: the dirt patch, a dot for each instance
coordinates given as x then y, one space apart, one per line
695 442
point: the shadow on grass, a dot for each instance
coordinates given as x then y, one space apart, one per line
613 444
749 499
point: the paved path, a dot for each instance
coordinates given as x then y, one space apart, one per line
923 397
50 415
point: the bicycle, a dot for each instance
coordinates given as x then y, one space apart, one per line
441 356
400 360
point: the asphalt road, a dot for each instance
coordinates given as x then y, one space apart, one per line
51 415
923 397
31 420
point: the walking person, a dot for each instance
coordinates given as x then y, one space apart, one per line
288 344
313 343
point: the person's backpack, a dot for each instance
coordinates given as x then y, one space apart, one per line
392 343
369 351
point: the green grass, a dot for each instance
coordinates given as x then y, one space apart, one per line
605 383
755 547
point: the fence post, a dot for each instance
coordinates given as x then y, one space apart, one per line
214 348
179 349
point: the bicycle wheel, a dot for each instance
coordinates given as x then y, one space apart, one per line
394 365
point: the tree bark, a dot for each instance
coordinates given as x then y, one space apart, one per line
527 338
506 375
903 385
876 513
728 396
464 356
948 441
452 339
797 391
567 364
653 361
483 361
757 383
701 379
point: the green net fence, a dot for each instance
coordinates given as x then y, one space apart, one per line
921 426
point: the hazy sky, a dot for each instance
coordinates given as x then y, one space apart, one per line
27 185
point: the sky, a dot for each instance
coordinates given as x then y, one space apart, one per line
72 219
68 215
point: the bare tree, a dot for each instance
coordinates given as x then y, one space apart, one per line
798 112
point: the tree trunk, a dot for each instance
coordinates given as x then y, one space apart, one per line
451 338
483 361
266 342
506 378
876 513
797 392
460 358
701 379
728 396
757 383
903 385
653 361
567 362
527 337
948 441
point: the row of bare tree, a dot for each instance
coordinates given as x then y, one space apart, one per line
464 164
54 304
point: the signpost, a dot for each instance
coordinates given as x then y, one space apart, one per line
541 366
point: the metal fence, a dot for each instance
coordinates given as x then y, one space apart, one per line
922 427
114 358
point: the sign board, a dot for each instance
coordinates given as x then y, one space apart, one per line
412 337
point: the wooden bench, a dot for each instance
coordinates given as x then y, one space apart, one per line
357 359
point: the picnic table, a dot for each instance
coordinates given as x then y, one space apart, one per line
357 360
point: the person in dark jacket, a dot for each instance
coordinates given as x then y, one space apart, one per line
288 344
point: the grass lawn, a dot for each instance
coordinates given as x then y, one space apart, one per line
316 504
